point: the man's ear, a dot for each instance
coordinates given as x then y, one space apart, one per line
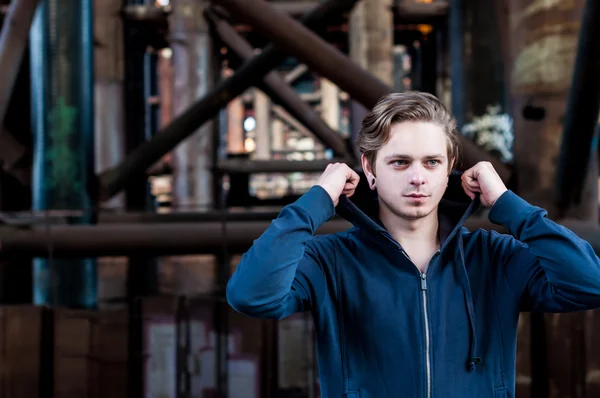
368 171
366 166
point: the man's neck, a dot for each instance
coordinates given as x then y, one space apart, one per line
419 234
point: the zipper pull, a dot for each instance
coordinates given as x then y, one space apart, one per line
423 282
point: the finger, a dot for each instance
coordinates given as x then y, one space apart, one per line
353 177
468 191
473 185
349 187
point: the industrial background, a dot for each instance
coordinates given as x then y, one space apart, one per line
145 144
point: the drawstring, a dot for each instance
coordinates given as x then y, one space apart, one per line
474 360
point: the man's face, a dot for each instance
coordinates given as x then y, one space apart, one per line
412 169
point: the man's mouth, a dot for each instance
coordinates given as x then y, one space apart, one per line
416 195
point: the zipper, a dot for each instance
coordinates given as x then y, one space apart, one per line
423 280
427 353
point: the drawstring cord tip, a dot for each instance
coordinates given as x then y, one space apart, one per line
473 363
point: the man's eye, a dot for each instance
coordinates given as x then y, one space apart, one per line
433 162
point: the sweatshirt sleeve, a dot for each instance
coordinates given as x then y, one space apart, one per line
554 269
282 273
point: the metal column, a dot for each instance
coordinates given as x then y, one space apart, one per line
140 126
61 45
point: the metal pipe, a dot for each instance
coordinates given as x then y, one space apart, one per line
72 241
135 164
582 111
331 63
13 41
456 33
27 219
411 11
273 166
279 91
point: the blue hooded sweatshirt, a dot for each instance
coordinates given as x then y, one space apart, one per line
383 328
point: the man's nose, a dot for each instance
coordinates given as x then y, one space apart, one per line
417 176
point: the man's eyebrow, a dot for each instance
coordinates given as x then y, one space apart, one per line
405 156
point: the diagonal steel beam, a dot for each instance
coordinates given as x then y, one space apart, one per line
279 91
115 179
331 63
582 111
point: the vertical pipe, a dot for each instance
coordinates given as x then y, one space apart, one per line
141 124
457 53
61 46
193 67
142 272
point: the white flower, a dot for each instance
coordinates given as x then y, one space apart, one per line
493 131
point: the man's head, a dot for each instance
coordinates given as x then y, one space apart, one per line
409 144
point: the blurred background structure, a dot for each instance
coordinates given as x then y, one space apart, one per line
144 145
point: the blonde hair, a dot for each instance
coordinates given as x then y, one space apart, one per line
413 106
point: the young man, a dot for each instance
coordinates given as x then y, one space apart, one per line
409 303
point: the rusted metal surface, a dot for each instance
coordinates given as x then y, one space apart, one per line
279 91
581 118
362 85
544 39
135 165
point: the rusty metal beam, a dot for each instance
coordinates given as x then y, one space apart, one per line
295 8
74 241
13 41
135 165
582 111
410 10
273 166
331 63
280 92
121 239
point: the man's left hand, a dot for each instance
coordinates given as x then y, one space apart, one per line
484 179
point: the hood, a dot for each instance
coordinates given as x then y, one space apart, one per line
454 209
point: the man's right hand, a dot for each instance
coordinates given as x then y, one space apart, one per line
338 179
